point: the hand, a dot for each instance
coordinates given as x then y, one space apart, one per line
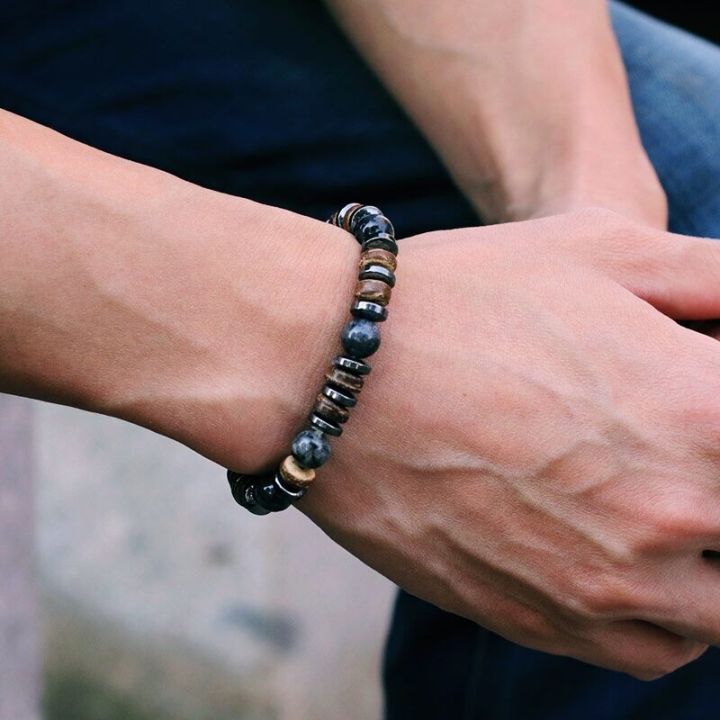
537 448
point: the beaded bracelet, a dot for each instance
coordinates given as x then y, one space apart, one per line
360 338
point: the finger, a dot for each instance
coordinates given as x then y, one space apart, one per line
637 648
678 275
691 606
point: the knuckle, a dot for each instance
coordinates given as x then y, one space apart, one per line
671 520
595 595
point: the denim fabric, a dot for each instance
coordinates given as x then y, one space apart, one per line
266 99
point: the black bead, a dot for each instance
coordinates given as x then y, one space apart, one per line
378 272
244 491
361 215
351 365
271 496
345 399
371 227
325 426
369 311
360 338
384 242
311 448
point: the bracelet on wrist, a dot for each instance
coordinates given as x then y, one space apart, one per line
360 338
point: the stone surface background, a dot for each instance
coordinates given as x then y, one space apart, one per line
160 598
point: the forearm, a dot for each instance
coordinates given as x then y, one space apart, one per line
526 101
127 291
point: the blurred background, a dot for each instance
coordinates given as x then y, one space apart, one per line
160 598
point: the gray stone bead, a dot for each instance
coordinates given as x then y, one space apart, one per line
360 338
311 448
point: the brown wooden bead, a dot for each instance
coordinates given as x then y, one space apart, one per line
294 474
378 256
344 380
373 290
327 409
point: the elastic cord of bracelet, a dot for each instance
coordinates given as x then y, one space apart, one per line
360 338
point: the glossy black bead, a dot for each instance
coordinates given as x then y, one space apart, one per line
361 215
374 226
378 272
369 311
272 497
311 448
350 364
342 398
384 242
360 338
244 491
325 426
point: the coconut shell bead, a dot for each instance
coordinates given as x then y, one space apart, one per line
344 380
378 256
294 474
373 291
330 411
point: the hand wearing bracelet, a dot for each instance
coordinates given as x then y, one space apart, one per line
360 338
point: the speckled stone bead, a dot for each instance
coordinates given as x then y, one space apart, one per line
373 291
330 411
325 426
360 337
378 256
378 272
294 474
381 242
344 381
310 448
360 215
372 227
351 365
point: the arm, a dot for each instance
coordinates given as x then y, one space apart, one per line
526 101
505 463
126 291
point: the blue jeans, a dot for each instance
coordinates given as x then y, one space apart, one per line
266 99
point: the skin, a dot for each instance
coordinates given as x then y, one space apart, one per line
549 467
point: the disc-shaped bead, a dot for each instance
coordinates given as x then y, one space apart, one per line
378 256
378 272
330 411
345 381
293 473
323 425
351 365
373 291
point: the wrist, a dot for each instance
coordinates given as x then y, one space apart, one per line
130 292
270 291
